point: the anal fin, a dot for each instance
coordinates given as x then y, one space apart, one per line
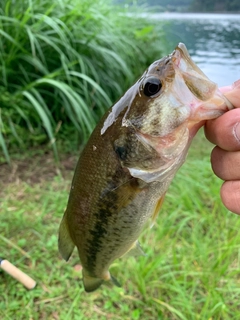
115 281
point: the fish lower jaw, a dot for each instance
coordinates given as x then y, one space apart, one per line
211 109
205 113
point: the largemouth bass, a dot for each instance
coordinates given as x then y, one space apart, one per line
131 158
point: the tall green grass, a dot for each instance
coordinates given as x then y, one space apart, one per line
64 62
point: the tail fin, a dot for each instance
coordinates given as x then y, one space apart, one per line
93 283
65 243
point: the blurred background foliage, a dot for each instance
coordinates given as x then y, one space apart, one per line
63 63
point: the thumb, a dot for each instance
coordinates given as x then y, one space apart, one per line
232 93
225 130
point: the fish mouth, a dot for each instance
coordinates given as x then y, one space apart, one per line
206 92
181 58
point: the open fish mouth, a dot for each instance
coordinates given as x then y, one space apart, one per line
181 58
199 84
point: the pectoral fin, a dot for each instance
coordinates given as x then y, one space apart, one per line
65 243
157 209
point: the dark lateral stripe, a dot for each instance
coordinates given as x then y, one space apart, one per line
107 208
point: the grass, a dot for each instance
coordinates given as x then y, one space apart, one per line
63 63
191 270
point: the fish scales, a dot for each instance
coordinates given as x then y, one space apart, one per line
131 158
114 204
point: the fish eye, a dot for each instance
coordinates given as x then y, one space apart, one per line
152 86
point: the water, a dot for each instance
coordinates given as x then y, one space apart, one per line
213 41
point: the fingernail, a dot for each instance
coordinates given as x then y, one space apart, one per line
236 84
236 131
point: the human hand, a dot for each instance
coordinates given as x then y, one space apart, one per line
225 158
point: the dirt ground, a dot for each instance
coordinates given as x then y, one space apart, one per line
37 168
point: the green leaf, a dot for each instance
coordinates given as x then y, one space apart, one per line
45 120
4 147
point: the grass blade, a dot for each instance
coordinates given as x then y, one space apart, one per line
45 120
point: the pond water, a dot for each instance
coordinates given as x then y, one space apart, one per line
213 41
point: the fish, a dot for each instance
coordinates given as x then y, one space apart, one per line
130 160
